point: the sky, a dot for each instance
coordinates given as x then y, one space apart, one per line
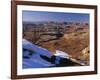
38 16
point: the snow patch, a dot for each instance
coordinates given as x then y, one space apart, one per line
62 54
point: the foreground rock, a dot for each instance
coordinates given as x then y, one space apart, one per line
38 57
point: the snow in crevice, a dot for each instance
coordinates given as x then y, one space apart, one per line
62 54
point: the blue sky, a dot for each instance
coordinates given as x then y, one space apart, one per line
35 16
